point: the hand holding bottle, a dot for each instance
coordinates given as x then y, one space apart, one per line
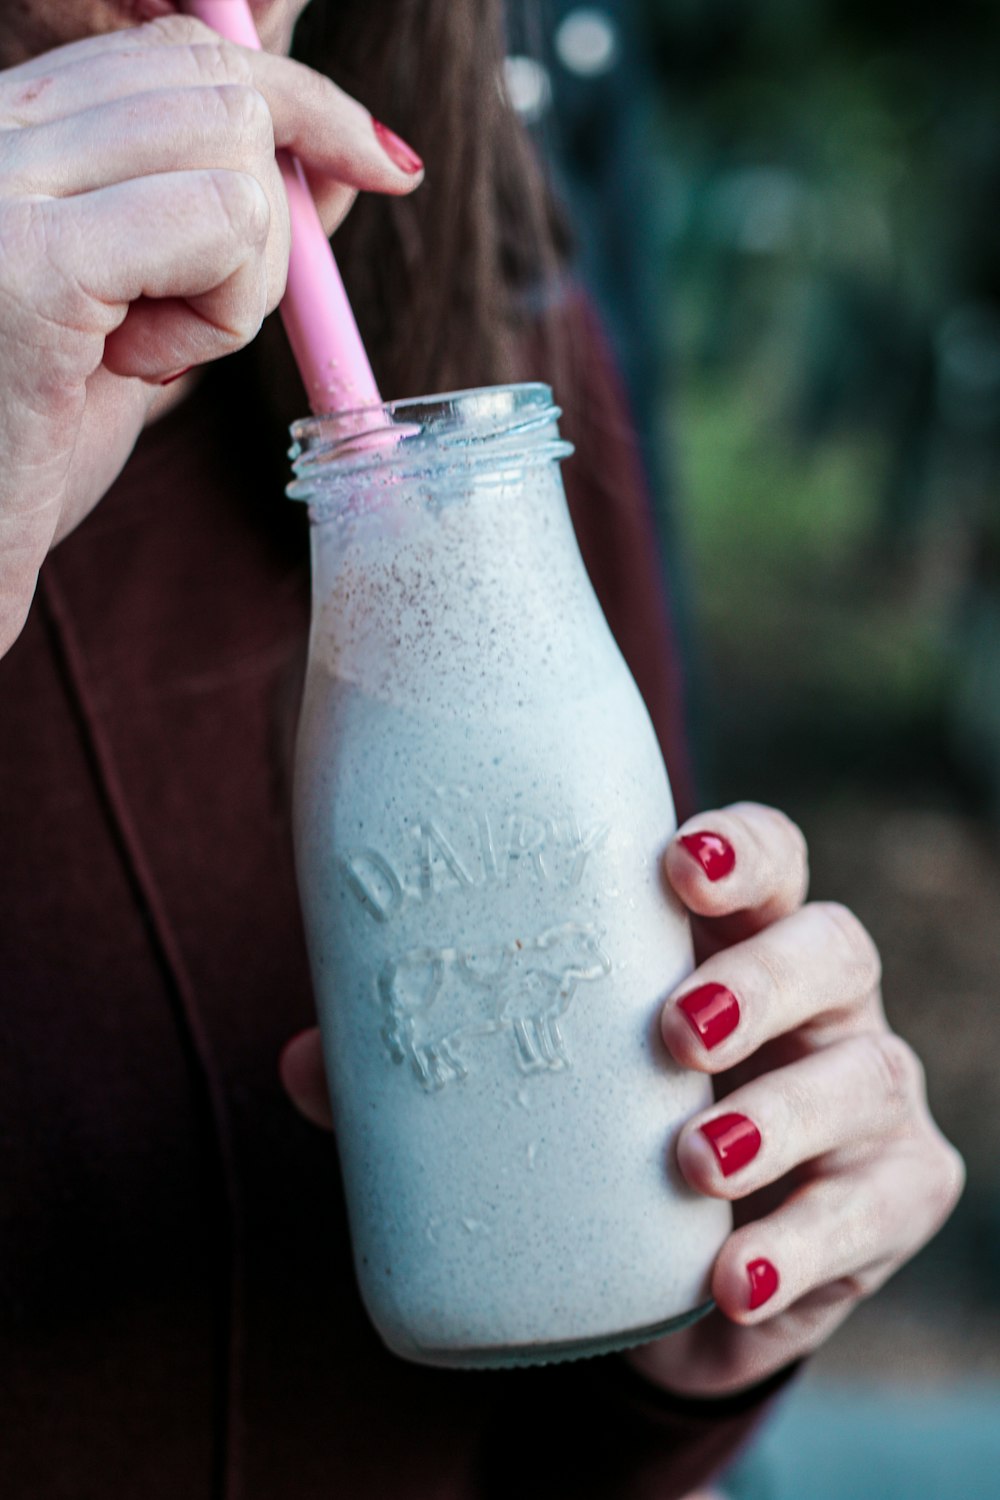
822 1137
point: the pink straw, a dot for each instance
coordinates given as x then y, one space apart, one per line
316 313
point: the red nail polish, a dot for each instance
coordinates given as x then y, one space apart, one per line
397 150
712 1011
177 375
715 854
763 1280
734 1139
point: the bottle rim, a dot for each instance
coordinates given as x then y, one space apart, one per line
483 428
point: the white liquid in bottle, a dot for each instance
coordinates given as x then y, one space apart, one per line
481 808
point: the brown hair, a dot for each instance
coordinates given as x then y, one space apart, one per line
441 280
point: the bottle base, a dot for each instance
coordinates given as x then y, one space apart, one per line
511 1356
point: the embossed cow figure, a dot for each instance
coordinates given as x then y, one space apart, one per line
436 1000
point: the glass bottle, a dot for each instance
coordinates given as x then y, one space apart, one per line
480 811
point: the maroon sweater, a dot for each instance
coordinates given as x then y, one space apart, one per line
178 1313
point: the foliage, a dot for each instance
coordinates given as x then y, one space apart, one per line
832 171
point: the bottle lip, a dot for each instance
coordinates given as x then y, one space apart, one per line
482 427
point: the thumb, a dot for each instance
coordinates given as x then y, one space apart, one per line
303 1075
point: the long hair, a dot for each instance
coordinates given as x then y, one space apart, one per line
441 280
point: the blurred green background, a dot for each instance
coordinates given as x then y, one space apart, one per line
790 210
826 176
829 175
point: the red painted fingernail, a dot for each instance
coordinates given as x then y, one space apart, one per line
715 854
177 375
397 150
734 1139
712 1011
763 1280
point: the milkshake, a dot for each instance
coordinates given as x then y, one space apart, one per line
481 807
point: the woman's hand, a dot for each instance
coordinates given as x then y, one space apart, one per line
822 1136
143 230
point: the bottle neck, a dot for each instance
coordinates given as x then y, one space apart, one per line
453 573
364 461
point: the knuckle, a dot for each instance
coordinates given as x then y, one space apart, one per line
794 835
213 59
866 1231
244 205
850 935
948 1181
24 236
794 853
941 1182
246 323
179 31
323 94
247 116
881 1223
39 284
218 61
275 286
898 1069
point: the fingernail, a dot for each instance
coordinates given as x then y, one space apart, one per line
734 1139
397 150
177 375
712 1012
714 853
763 1280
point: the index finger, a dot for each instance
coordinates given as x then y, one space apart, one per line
329 130
737 870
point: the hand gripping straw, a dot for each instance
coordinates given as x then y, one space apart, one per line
315 310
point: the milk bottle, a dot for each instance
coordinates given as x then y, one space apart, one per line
480 811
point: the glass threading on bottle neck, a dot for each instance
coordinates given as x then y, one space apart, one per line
350 463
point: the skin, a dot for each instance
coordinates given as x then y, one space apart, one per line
144 230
